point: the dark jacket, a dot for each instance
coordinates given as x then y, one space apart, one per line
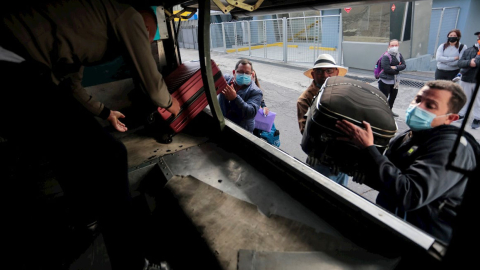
413 182
243 109
388 72
468 72
57 36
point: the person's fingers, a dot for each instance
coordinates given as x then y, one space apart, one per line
120 115
344 126
340 126
367 126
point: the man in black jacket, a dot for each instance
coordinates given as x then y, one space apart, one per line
412 178
469 63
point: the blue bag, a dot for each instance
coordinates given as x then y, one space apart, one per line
272 136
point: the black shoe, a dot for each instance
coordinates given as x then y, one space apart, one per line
394 114
475 123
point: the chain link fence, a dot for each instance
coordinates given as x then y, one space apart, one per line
289 40
309 37
442 21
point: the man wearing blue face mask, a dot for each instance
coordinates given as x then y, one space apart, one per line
411 177
241 99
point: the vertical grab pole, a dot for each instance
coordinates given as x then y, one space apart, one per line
206 65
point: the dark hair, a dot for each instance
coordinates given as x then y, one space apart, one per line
459 35
393 40
243 62
458 99
256 79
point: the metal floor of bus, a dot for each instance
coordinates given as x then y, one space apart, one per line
209 208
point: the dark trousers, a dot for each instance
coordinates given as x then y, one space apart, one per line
446 74
89 164
388 91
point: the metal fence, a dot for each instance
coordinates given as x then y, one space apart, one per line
442 21
188 35
287 39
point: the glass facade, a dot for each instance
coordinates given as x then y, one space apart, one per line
370 23
377 23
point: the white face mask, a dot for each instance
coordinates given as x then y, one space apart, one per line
393 50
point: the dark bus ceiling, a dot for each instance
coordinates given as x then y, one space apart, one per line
278 6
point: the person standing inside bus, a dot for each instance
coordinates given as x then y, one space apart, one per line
241 99
447 56
323 68
44 107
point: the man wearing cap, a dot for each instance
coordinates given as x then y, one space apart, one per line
469 63
323 68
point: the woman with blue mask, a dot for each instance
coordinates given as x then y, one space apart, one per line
412 178
241 99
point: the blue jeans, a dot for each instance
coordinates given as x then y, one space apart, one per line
340 178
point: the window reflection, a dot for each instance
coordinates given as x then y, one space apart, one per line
367 23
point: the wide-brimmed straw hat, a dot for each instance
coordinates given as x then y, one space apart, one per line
326 61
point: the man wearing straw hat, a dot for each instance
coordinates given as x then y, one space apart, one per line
323 68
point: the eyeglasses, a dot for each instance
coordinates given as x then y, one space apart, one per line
326 70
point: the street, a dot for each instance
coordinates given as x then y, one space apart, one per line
283 83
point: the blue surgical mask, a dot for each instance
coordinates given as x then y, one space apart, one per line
419 119
243 79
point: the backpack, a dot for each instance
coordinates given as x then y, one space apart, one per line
459 48
378 67
272 136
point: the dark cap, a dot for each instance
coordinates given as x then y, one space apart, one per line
477 33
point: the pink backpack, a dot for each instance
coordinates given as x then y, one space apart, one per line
378 67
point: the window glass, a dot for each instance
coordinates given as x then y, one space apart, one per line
396 20
408 23
370 23
312 13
